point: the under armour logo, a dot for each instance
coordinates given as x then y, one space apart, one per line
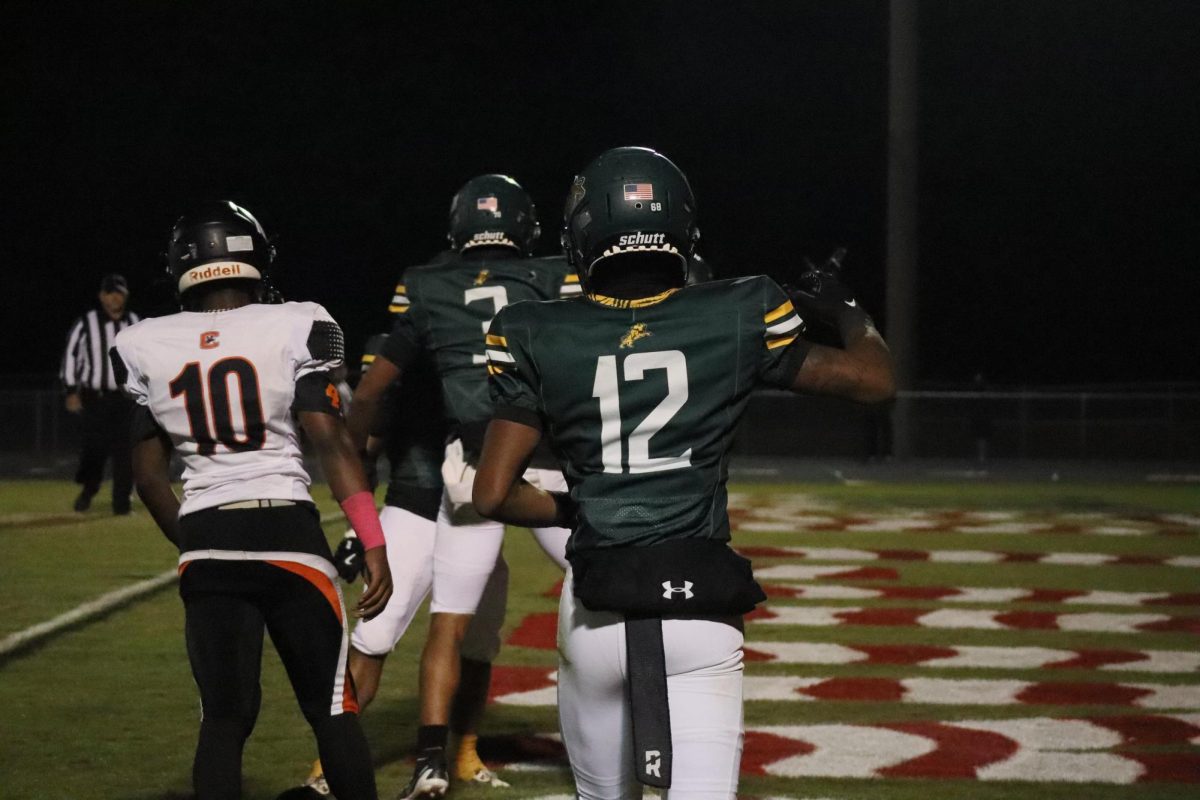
654 763
669 590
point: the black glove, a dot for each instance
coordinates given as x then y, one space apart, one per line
349 558
820 294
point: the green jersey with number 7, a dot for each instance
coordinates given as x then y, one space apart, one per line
444 309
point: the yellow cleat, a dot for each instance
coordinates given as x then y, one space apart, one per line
469 767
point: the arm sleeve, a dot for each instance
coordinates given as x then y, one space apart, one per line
324 347
570 286
404 343
69 372
144 426
316 392
783 349
126 372
512 379
131 381
400 302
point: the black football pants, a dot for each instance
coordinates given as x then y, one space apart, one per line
228 605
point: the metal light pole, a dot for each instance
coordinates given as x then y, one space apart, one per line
902 212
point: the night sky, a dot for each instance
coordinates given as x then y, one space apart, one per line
1059 180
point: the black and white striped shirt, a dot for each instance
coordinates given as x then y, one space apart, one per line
85 363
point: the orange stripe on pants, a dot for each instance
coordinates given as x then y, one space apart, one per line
325 585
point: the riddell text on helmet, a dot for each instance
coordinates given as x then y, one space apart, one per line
224 270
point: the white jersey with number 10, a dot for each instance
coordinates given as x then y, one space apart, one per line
221 384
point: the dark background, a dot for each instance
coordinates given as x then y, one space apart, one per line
1058 144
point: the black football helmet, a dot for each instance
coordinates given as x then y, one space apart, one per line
493 211
218 241
629 200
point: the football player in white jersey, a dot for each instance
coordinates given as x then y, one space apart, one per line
223 383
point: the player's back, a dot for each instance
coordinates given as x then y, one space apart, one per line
222 385
641 399
448 307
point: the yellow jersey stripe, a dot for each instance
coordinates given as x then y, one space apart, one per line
398 309
780 342
368 358
400 289
493 339
572 278
779 312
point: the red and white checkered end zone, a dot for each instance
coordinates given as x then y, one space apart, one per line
1081 682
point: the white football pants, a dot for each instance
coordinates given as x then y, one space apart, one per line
704 690
463 564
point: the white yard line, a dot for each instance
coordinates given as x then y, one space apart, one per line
93 608
101 605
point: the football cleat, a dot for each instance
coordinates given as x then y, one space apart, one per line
314 788
430 777
485 777
469 767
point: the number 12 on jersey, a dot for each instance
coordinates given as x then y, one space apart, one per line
605 389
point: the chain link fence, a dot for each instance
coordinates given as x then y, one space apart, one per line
1161 425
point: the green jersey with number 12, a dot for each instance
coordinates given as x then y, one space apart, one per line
641 398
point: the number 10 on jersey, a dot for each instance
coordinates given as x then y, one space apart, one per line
217 404
605 389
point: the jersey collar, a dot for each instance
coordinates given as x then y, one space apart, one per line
638 302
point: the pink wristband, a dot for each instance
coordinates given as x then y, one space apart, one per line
360 512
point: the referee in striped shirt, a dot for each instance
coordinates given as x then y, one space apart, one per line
92 391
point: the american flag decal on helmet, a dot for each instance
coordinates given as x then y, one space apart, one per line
639 191
488 204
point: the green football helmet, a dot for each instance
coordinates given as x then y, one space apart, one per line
629 200
493 211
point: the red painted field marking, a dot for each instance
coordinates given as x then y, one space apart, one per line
539 631
960 751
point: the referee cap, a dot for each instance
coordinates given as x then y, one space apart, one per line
114 283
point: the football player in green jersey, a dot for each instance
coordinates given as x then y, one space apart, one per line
639 387
442 313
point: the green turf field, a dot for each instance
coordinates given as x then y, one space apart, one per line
983 641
